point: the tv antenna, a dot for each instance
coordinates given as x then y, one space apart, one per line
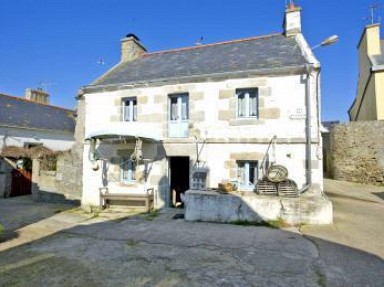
43 86
289 3
373 17
200 41
101 61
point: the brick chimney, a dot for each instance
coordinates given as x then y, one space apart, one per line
292 20
131 48
38 96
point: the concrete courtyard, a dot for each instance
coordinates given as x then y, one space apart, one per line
49 244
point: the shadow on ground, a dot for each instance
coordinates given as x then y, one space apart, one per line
21 211
156 250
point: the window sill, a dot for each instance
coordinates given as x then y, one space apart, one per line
245 121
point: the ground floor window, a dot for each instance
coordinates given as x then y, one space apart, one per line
127 169
247 174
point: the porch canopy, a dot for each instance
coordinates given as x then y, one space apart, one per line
119 132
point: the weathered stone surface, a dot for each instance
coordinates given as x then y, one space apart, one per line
269 113
142 99
357 152
226 94
236 207
247 156
226 115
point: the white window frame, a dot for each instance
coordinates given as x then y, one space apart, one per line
244 168
247 94
129 106
179 110
127 170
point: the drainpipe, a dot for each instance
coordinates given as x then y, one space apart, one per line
308 135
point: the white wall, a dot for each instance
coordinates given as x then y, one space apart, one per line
286 94
50 139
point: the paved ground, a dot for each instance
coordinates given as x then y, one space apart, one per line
56 245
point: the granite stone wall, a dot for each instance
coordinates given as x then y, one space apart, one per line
66 182
357 152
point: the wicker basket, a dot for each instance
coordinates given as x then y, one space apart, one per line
264 186
288 188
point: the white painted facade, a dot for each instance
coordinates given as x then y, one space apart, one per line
54 140
282 105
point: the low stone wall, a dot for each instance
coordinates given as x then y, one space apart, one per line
63 184
213 206
357 152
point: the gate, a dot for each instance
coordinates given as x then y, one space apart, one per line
21 182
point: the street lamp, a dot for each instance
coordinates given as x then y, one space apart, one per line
329 41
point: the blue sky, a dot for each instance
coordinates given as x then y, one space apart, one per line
59 42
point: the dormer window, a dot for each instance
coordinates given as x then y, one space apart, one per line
247 103
130 109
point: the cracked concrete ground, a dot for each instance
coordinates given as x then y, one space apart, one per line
54 245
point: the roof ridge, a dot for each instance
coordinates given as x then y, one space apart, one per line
32 102
212 44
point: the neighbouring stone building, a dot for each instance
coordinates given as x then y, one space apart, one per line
192 117
356 150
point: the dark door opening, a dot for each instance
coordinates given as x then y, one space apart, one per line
179 178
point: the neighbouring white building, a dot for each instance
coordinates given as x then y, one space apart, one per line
27 123
192 117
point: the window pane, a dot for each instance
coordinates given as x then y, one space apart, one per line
173 108
253 105
252 173
127 112
134 116
241 105
184 108
128 168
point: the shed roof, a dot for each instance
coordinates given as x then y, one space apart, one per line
22 113
257 53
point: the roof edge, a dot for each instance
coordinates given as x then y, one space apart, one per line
32 102
287 70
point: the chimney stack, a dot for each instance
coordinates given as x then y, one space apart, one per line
292 20
131 48
38 96
370 40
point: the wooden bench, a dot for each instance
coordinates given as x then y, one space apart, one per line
146 197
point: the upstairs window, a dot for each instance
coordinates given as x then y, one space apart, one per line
247 103
247 174
129 110
127 170
179 107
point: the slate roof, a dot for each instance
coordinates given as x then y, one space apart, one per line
19 112
266 52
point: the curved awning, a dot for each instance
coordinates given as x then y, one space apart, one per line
131 132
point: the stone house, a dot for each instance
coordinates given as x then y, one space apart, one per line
27 123
189 118
369 102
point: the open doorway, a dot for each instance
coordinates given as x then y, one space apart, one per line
179 178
